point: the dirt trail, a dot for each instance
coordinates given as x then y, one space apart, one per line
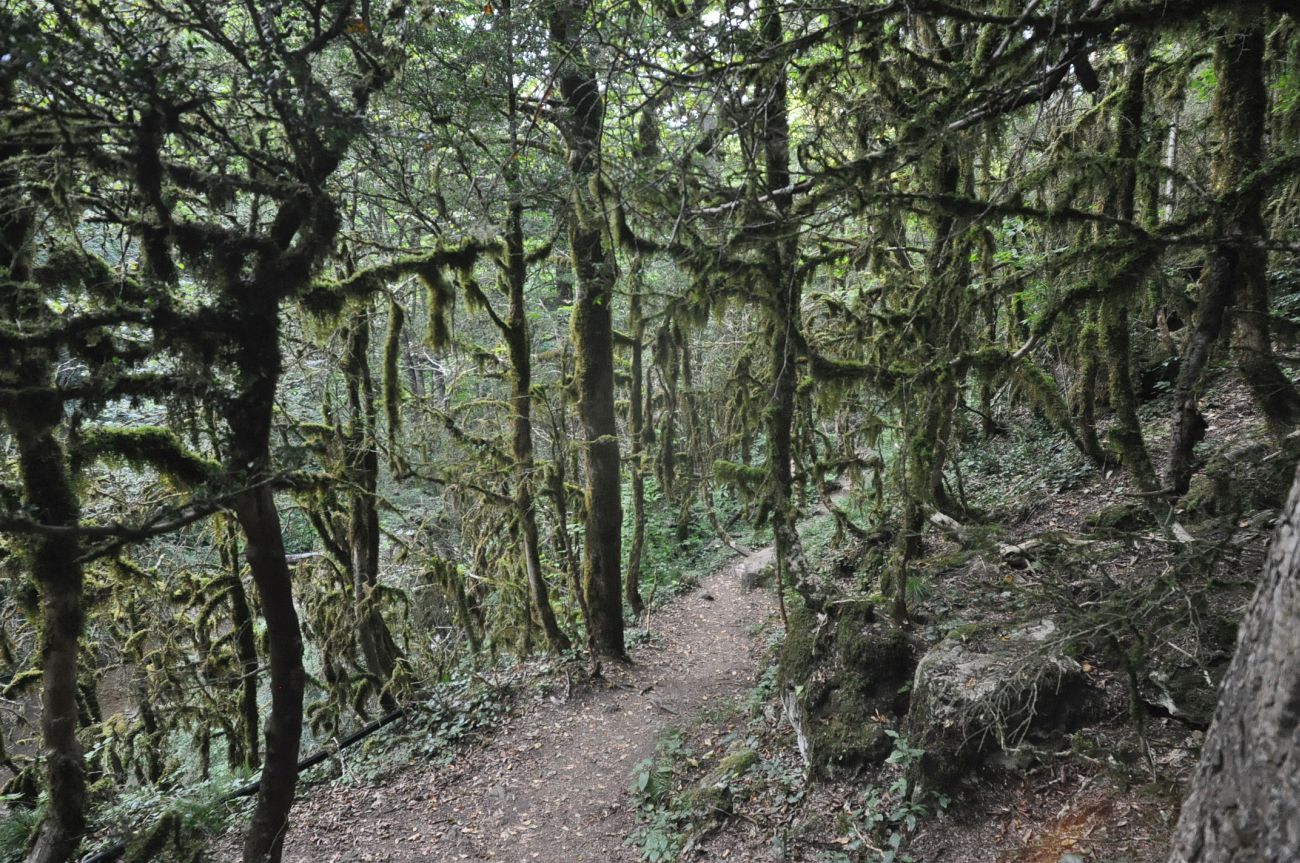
552 786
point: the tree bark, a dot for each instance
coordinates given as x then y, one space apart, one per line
632 582
378 648
784 299
1235 266
48 491
248 417
1241 107
583 117
264 549
521 400
55 568
1244 803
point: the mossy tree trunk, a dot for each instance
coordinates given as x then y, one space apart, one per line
515 331
583 112
246 752
1234 269
636 432
782 297
33 412
1089 373
927 407
248 416
1241 112
521 401
1113 315
48 491
378 648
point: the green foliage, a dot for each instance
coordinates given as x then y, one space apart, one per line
17 827
884 817
676 808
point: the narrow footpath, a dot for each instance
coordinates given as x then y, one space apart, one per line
552 786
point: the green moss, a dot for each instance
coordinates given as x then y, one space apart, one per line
739 475
146 447
849 669
738 762
440 297
799 650
1121 517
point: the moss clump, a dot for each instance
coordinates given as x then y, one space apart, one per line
736 763
146 447
1124 517
850 667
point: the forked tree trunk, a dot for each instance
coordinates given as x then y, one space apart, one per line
1239 61
1244 803
1235 267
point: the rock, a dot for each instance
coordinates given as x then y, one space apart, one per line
974 697
1186 692
843 676
752 578
1120 518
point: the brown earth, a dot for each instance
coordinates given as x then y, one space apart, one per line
552 785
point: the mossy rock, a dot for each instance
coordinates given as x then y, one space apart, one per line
843 668
736 763
1188 693
753 579
1122 518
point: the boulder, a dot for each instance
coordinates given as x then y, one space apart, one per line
844 676
979 695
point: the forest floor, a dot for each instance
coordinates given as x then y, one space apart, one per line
686 750
552 784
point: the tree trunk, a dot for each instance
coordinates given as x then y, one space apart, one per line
248 417
49 494
784 298
632 581
241 618
56 570
521 400
1242 101
264 548
1244 803
1089 371
583 109
378 648
1235 267
1113 317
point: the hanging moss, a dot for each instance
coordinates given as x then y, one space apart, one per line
741 476
441 297
145 447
